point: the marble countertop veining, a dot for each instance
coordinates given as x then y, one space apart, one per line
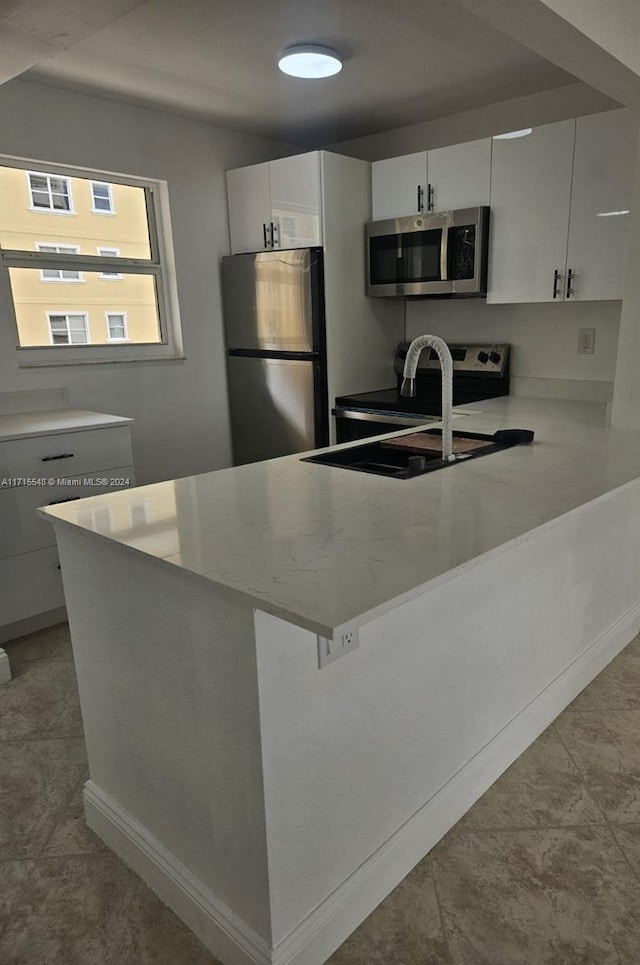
23 425
327 549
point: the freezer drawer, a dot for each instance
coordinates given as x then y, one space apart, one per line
276 407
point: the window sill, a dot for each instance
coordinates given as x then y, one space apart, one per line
53 363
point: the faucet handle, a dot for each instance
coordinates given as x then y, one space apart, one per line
408 388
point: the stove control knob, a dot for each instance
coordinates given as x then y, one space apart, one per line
483 357
494 357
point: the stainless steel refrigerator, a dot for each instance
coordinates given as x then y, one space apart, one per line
276 356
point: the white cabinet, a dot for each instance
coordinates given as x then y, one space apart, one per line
460 175
40 465
249 207
275 204
603 168
560 202
443 179
399 186
530 195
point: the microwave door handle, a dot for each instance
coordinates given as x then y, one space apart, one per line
444 254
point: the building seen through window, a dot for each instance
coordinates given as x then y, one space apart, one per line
58 247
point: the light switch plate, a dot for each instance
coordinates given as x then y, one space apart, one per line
586 341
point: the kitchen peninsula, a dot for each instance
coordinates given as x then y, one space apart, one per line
271 802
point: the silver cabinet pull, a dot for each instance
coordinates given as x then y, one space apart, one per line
556 282
264 234
274 228
63 455
431 193
420 198
570 289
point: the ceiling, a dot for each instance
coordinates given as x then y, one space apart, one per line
405 61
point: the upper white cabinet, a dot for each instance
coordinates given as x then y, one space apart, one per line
275 204
439 180
399 186
460 175
530 196
560 201
600 203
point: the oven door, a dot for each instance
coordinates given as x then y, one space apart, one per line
353 424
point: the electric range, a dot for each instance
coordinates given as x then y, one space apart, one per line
480 371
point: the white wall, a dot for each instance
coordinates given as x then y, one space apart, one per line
180 407
546 107
544 339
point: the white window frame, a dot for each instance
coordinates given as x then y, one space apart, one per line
85 315
49 174
71 250
102 184
112 253
161 265
123 315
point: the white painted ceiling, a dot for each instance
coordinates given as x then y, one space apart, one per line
405 61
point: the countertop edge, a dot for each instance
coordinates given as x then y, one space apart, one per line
366 616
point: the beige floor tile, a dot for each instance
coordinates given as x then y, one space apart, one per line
71 836
605 747
405 929
538 897
542 788
94 911
36 778
628 837
54 643
617 687
42 702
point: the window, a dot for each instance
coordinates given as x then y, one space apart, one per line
109 253
102 198
63 298
68 329
58 274
117 326
49 192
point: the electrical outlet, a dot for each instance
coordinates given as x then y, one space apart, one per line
586 341
330 650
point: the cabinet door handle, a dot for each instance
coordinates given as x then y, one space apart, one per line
556 282
63 455
420 197
274 241
570 276
264 234
431 192
67 499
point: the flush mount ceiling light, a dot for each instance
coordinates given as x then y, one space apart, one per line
611 214
510 134
310 61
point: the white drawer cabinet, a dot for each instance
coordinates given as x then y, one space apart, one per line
65 454
39 464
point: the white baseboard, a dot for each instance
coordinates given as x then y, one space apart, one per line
328 925
5 669
215 924
13 631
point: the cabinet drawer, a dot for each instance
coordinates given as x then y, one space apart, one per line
22 530
30 584
66 454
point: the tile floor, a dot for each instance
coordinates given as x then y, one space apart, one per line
544 869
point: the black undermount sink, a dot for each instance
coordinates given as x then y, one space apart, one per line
379 458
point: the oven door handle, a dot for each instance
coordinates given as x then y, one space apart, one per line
340 412
444 254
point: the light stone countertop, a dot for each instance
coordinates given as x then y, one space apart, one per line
23 425
330 549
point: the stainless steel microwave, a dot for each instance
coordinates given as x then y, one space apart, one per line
441 253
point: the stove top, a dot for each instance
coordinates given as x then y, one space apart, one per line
480 371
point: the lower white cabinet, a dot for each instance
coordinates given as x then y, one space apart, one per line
38 470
